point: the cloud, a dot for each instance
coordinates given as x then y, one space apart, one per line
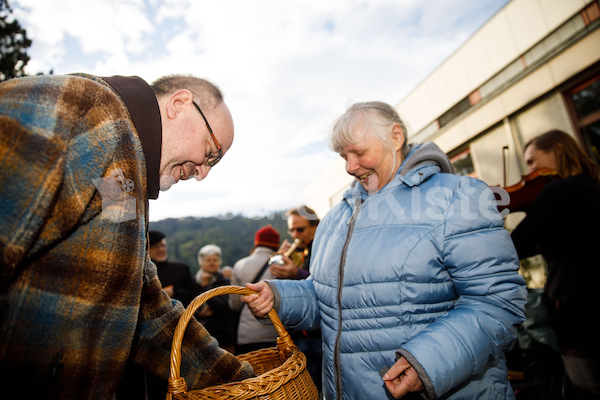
287 69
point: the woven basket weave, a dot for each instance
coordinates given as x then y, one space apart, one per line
281 370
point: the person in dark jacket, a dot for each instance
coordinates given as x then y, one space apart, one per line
176 278
215 314
177 281
562 227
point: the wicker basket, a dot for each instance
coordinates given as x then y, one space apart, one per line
281 370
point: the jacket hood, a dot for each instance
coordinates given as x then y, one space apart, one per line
427 153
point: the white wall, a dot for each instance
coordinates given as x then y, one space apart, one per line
508 34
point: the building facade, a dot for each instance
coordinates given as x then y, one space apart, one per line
533 66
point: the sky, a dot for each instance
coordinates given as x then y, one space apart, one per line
287 69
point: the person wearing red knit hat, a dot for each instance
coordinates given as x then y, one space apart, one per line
251 334
267 236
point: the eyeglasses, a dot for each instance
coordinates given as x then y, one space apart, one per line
213 159
299 230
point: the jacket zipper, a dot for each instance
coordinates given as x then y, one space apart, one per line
336 354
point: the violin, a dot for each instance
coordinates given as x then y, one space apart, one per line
523 194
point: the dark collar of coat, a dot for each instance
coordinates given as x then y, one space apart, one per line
143 108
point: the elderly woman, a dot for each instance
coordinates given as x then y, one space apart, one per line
412 271
215 314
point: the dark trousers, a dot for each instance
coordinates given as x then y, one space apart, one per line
139 384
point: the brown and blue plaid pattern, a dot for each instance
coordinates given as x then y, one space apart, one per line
78 294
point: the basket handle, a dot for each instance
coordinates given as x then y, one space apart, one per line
176 383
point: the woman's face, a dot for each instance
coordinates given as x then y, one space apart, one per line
538 159
211 263
370 162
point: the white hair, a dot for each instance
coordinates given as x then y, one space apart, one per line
208 250
375 118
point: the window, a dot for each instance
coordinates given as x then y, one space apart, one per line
454 112
463 163
585 106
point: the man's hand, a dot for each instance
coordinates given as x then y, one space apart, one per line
205 278
402 379
284 246
259 304
286 271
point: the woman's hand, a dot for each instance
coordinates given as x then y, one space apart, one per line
262 302
402 379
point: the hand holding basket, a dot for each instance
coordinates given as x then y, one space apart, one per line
281 370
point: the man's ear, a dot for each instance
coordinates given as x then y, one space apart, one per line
398 137
178 102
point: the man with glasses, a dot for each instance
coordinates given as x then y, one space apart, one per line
302 224
81 156
180 158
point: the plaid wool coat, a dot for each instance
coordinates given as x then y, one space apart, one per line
78 293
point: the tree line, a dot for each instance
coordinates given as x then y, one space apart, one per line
14 44
233 234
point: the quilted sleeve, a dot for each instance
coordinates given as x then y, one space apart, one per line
299 308
482 262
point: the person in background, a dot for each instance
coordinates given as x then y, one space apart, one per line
177 281
227 271
176 278
414 279
302 224
81 156
215 314
251 334
558 226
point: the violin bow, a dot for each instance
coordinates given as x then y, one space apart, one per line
505 161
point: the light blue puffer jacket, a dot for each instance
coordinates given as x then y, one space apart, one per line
422 268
